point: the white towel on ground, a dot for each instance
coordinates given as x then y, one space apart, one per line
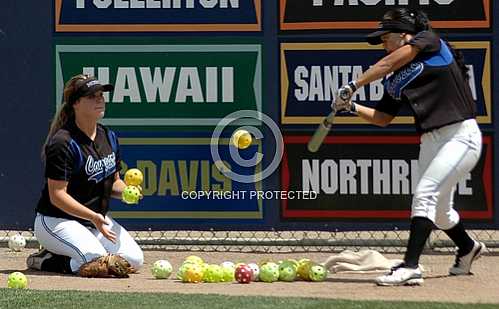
364 261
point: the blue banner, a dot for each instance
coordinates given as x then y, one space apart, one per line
311 73
182 181
156 15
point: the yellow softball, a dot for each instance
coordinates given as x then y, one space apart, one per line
134 177
241 139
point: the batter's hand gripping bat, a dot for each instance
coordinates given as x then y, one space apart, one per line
343 100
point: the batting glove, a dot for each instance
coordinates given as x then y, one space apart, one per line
343 99
346 91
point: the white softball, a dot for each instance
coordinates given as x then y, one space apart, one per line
17 242
255 271
161 269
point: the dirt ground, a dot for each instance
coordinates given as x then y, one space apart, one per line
483 287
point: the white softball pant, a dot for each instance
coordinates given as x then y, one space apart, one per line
446 155
71 238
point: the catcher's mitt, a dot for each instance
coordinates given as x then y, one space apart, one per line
118 266
106 266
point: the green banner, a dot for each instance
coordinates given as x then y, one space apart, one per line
168 85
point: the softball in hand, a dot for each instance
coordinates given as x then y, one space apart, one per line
131 195
134 177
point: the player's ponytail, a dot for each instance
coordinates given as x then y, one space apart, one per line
421 21
66 111
459 58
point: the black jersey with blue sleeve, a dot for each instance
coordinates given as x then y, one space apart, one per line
89 167
432 85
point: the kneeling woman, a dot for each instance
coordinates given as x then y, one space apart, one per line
82 163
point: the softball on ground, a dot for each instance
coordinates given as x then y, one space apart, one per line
243 274
255 271
134 177
269 272
228 272
17 280
287 271
17 242
213 274
241 139
131 195
304 269
181 271
193 273
161 269
317 273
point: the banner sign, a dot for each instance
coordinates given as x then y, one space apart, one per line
365 14
311 74
181 181
157 15
168 85
369 177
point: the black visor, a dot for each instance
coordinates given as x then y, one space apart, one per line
88 86
387 26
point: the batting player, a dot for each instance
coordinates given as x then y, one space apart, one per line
430 77
82 163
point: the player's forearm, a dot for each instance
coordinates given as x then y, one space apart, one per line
364 112
387 65
62 200
118 187
375 72
373 116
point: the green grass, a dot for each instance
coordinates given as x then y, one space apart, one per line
76 299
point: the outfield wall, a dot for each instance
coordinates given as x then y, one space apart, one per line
181 67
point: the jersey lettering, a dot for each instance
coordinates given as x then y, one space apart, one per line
398 81
98 170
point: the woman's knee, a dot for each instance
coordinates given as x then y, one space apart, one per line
424 204
93 252
427 191
444 224
446 220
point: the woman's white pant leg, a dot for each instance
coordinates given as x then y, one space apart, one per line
446 157
68 238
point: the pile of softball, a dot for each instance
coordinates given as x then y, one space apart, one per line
195 270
